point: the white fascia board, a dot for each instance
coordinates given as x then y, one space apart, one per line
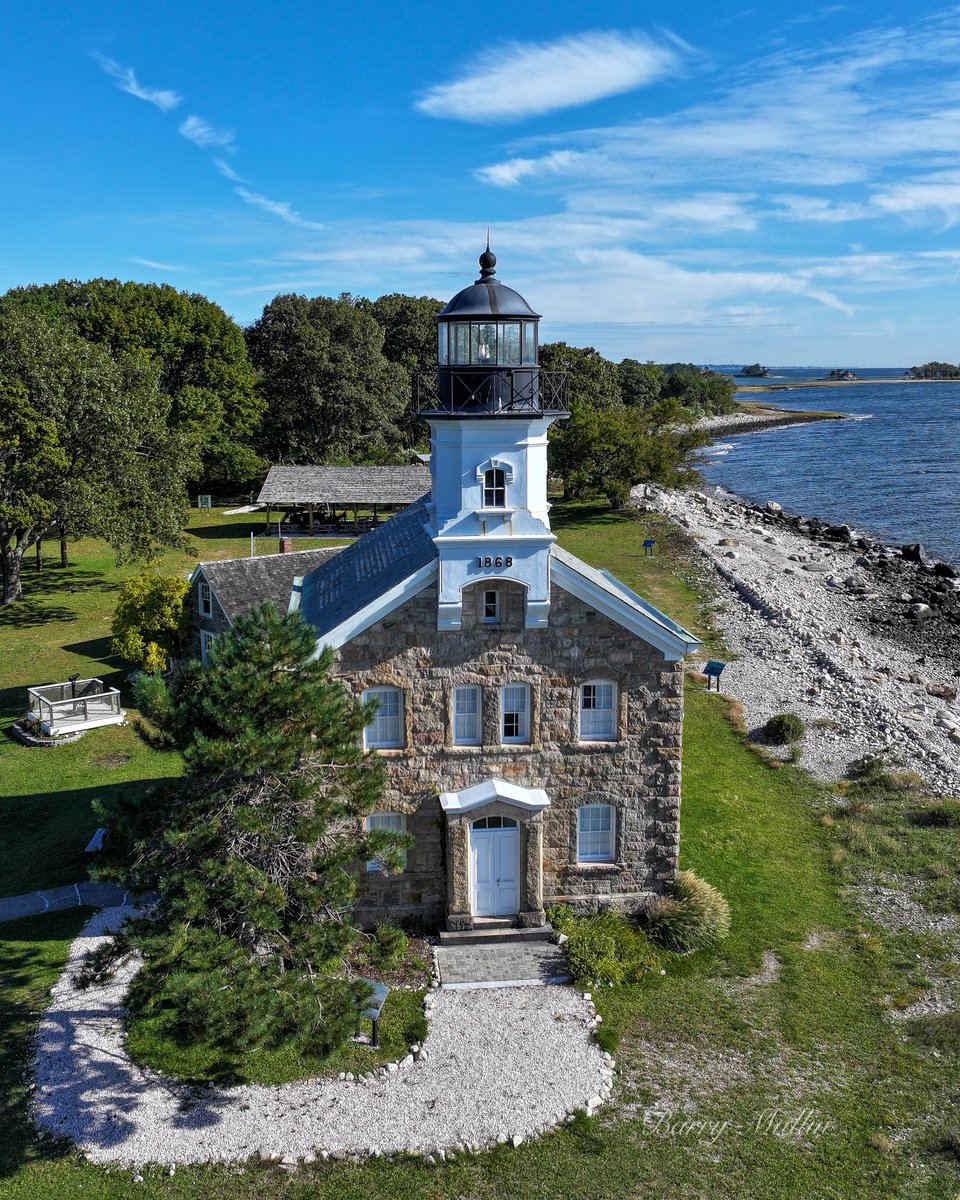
532 799
377 609
200 573
478 539
671 645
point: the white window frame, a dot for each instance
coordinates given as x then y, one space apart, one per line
396 823
522 737
590 726
602 814
462 720
205 599
385 731
206 642
491 487
487 618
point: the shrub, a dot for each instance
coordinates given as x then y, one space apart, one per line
784 729
149 620
607 1038
388 945
561 917
695 915
152 696
607 949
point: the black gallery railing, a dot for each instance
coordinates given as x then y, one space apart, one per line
505 392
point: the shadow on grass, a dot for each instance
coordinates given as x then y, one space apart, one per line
226 533
32 953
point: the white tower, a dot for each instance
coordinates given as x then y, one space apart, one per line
489 420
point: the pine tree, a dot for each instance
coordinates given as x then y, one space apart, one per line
254 852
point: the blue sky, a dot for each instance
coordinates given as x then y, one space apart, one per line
661 181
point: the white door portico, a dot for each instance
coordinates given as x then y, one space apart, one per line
494 852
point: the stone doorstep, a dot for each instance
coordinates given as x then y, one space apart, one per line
502 983
500 932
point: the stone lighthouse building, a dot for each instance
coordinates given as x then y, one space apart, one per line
529 705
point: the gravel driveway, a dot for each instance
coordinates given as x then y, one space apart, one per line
498 1064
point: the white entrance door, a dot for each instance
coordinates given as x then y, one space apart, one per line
495 867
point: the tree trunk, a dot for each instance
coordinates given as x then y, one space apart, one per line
10 561
63 546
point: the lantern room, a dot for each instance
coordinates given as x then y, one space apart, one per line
487 355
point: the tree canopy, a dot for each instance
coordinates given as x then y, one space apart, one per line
149 620
591 378
935 370
198 352
255 851
86 442
331 393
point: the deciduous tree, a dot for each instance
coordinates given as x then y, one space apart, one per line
149 620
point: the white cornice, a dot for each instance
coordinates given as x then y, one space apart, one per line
532 799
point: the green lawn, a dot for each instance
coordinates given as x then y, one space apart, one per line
63 627
785 1022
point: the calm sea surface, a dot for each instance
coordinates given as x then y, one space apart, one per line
893 471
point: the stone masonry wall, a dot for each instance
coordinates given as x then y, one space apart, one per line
216 623
639 773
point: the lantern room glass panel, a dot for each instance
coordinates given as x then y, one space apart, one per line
530 342
510 345
483 344
442 345
459 335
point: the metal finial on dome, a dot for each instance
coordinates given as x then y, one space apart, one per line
488 261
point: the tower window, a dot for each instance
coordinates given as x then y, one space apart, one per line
491 608
494 488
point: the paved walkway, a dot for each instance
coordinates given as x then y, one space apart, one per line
496 1066
71 895
501 964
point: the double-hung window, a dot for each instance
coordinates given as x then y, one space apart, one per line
385 731
515 714
598 711
395 822
491 608
495 488
466 715
205 600
595 830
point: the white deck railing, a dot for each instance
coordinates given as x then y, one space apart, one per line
76 704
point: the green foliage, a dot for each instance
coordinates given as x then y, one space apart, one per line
943 813
936 370
152 697
149 620
641 384
254 853
331 394
699 390
591 379
607 1038
783 729
85 443
561 917
754 371
387 946
606 948
198 353
695 915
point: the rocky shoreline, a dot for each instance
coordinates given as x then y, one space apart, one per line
756 422
860 638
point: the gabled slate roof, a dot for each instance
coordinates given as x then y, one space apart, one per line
344 485
367 569
240 583
607 594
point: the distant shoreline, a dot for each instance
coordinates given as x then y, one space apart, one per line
754 418
832 383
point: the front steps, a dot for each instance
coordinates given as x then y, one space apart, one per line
490 931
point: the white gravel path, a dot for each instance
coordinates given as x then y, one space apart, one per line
803 646
498 1065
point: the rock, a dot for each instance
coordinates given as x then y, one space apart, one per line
728 542
772 506
943 690
730 554
920 610
945 570
516 1141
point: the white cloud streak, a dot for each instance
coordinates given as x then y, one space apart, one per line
516 81
157 266
228 172
277 208
164 98
203 134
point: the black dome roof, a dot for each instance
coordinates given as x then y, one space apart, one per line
488 297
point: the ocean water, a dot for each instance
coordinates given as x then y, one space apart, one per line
893 470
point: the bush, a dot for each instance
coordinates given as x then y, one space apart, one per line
695 915
607 949
784 729
561 917
152 696
148 622
387 946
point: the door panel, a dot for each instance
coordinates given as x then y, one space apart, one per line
494 867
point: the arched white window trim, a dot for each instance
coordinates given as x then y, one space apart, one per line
596 833
496 464
597 719
385 731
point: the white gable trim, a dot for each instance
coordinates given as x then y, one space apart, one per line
613 604
198 574
377 609
532 799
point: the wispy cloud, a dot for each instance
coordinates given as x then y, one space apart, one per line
228 172
202 133
277 208
516 81
164 98
157 266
